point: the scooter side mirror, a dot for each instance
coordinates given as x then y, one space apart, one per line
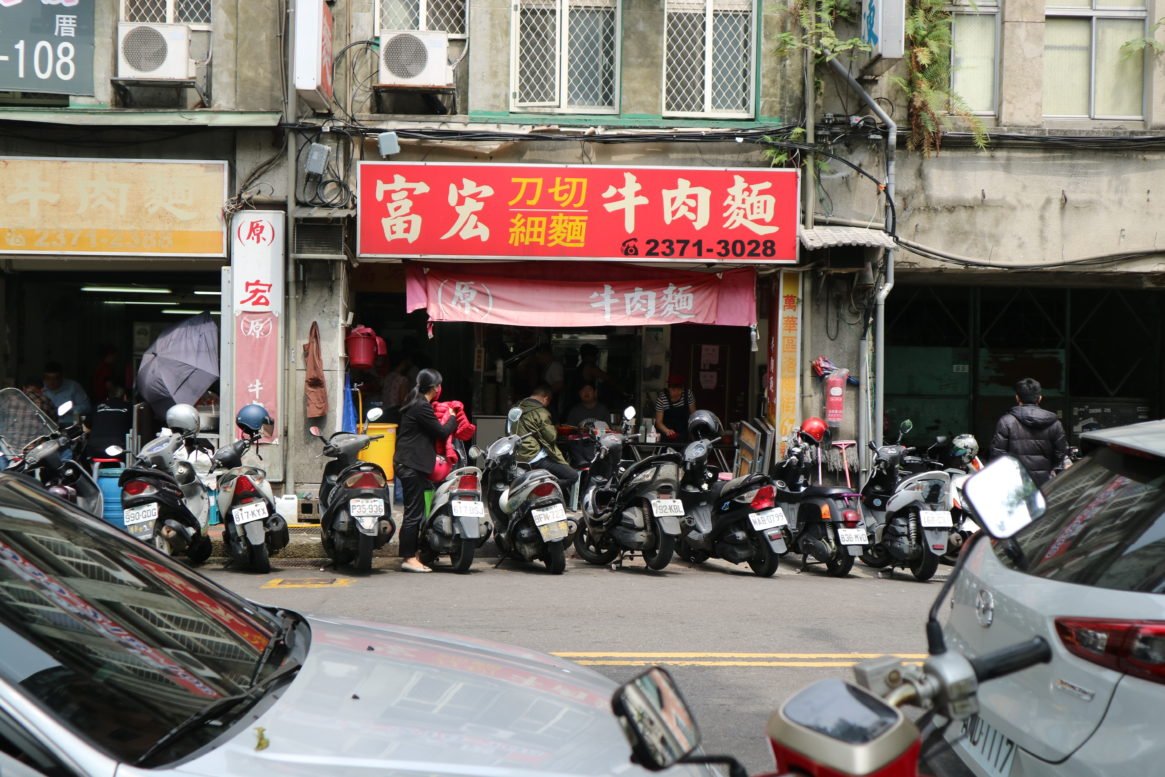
656 719
114 451
315 432
373 415
905 427
873 446
629 413
65 408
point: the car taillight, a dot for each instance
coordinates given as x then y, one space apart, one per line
244 485
764 498
1136 648
137 488
543 489
364 480
851 518
467 483
825 514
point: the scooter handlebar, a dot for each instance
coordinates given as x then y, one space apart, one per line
1011 659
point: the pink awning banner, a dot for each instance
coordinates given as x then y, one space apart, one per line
564 295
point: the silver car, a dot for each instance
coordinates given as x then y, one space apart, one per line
115 660
1089 577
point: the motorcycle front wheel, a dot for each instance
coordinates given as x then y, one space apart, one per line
555 558
764 560
591 551
840 564
659 556
200 550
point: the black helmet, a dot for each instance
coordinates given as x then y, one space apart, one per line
704 425
253 418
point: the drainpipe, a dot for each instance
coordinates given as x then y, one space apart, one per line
291 288
888 283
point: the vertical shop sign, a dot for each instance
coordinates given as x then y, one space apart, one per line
257 240
787 338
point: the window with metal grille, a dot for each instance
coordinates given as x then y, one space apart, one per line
193 12
567 55
437 15
709 58
1087 71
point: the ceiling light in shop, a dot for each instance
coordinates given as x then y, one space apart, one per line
127 289
138 302
183 311
202 293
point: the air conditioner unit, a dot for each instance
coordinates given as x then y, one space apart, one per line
154 52
415 58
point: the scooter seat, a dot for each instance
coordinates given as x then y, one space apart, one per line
528 475
815 492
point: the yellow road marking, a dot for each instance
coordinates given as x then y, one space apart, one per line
801 664
308 582
662 656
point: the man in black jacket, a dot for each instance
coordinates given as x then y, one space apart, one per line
1031 434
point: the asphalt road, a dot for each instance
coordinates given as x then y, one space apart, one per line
737 644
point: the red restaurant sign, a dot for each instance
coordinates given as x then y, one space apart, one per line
702 214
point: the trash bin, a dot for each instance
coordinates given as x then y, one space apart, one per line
381 451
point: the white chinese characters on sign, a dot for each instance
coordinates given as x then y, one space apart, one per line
746 206
687 202
629 200
465 201
401 222
471 298
674 302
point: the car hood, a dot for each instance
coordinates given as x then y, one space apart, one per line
371 699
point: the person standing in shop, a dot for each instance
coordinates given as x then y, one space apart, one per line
60 390
673 407
415 456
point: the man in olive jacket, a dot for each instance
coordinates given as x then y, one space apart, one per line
1031 434
540 449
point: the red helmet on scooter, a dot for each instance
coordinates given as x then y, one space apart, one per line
813 430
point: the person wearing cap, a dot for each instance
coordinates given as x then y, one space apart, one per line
672 409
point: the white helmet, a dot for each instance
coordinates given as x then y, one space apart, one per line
183 419
966 447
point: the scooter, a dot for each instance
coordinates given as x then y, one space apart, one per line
835 728
825 521
907 517
736 520
633 509
457 523
254 531
527 505
164 501
356 516
39 450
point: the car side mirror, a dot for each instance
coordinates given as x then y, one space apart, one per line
656 719
1004 497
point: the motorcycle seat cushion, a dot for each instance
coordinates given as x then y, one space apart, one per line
528 475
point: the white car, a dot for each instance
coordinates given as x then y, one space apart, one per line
115 660
1089 577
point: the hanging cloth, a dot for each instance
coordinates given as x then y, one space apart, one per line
348 422
315 388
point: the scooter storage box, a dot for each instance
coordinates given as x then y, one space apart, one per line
111 513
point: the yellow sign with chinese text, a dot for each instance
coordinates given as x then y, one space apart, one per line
112 207
788 340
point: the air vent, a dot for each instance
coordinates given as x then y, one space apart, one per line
319 240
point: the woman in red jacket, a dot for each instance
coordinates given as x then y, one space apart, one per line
416 453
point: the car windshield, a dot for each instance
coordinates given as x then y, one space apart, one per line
21 421
116 641
1104 525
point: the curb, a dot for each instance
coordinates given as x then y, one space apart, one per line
304 546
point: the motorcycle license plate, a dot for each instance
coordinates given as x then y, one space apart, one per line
768 519
551 522
255 511
935 519
361 508
852 536
665 507
986 746
466 509
132 516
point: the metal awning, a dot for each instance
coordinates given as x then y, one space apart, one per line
105 117
834 236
